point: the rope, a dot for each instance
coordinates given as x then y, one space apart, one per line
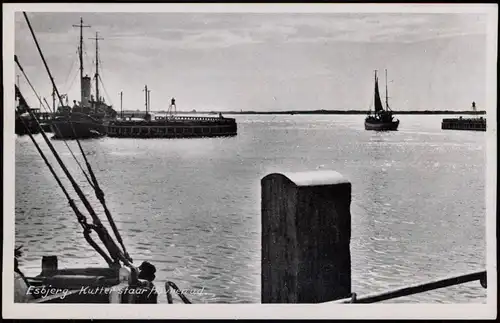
100 196
32 88
81 218
100 229
108 242
72 81
169 284
71 151
104 88
47 104
70 71
102 83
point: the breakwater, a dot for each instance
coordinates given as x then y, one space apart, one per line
173 127
472 124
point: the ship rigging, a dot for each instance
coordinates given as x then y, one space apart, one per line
121 272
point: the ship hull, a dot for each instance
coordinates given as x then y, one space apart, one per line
22 126
64 129
381 125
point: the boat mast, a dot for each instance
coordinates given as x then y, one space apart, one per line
146 94
375 96
96 70
121 104
80 55
149 101
386 95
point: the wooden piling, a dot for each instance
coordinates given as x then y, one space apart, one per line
306 231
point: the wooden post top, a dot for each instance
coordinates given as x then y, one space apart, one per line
311 178
306 232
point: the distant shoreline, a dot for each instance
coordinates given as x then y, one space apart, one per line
292 112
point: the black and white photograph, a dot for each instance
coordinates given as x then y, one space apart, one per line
289 160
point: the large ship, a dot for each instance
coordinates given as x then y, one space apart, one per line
89 117
382 119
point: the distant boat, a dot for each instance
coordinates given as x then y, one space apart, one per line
382 119
90 117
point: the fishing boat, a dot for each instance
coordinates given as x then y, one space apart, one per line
24 121
121 281
382 119
89 117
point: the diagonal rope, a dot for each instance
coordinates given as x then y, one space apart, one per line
117 253
71 151
103 233
80 217
97 226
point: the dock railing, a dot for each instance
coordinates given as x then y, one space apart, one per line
306 233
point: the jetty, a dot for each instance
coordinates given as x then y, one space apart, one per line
471 124
171 125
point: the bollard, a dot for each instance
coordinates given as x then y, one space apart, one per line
306 231
49 265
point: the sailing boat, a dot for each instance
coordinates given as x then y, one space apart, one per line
382 119
90 117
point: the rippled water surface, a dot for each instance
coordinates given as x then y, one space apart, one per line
192 206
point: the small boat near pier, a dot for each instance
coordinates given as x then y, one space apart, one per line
24 121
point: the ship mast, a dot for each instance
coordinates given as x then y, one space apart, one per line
80 54
97 70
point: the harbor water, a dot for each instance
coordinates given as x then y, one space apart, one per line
192 206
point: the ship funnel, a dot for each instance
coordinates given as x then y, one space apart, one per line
86 91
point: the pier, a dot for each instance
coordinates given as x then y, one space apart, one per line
173 127
472 124
306 233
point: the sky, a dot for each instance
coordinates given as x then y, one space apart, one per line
263 61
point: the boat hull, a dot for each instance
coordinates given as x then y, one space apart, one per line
22 126
381 126
64 129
